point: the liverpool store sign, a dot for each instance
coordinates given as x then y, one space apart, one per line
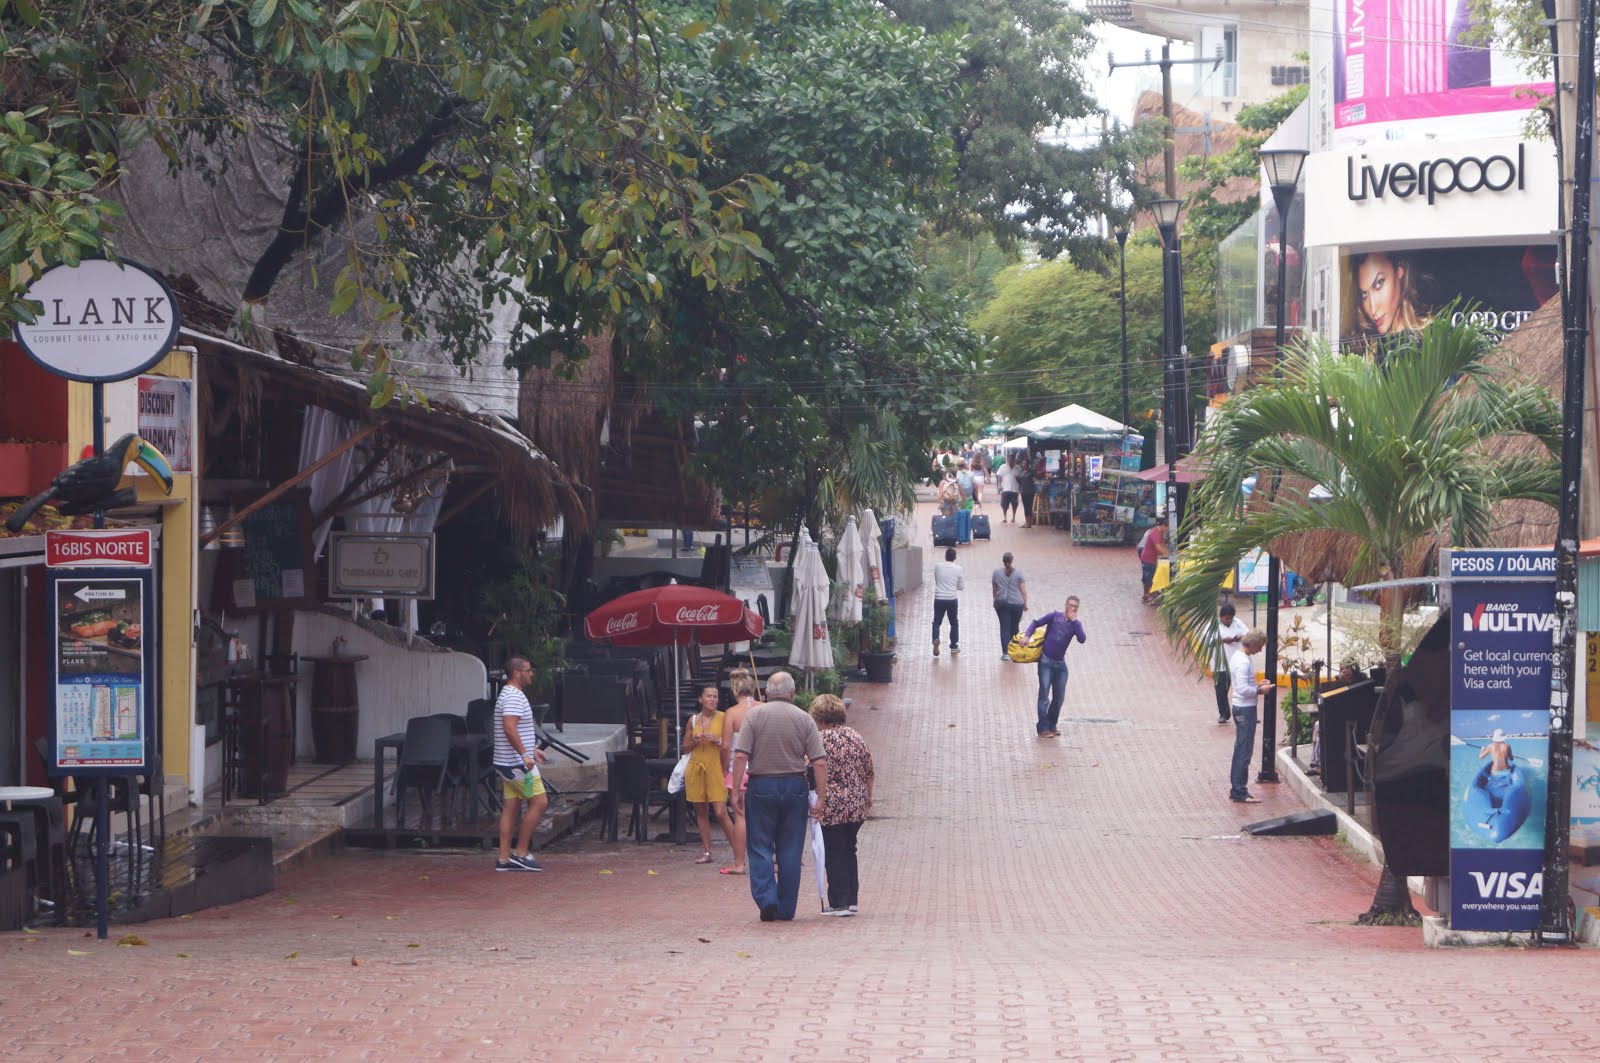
1431 178
1493 190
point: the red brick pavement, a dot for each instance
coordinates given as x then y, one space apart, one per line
1088 898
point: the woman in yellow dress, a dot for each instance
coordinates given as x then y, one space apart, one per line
708 765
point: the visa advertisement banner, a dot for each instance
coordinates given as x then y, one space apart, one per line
1499 735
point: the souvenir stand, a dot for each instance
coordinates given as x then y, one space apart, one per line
1091 490
1110 504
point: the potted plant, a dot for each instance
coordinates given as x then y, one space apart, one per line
877 659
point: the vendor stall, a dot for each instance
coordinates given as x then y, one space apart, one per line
1091 487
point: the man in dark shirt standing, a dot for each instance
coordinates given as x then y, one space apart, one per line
1062 628
775 745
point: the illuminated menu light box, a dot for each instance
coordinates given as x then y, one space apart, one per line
381 566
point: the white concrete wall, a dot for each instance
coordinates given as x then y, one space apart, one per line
394 683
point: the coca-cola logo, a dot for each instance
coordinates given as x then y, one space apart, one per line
626 622
705 614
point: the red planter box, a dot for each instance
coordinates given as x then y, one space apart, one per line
27 468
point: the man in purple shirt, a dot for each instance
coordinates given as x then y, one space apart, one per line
1061 629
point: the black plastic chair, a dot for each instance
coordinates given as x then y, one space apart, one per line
629 782
424 765
25 853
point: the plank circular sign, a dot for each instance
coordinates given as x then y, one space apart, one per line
101 320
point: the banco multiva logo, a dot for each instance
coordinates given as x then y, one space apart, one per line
1504 617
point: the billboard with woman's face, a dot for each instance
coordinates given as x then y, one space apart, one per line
1392 291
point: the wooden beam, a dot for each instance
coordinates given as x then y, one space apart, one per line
292 482
461 506
383 488
384 448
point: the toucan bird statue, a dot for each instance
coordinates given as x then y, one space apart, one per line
92 483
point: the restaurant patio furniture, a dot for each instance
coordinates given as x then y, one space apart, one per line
631 781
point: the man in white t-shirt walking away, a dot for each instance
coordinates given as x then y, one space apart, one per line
1230 633
948 582
516 760
1243 700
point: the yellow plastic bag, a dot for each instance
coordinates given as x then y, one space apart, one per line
1027 650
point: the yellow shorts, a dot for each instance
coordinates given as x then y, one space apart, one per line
519 787
703 783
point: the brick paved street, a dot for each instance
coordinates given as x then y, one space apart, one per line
1088 898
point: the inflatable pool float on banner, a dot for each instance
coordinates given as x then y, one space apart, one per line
1498 802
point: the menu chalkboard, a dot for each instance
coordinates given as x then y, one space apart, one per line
274 569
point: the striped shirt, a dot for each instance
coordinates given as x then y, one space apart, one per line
514 703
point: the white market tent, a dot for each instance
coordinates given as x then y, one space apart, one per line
1070 423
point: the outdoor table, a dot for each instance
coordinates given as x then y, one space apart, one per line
30 795
9 794
470 744
766 657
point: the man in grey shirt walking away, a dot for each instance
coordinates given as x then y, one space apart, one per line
1010 601
775 745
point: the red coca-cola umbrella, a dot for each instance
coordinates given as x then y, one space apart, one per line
673 615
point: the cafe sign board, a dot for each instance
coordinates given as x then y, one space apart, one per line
100 320
380 566
100 587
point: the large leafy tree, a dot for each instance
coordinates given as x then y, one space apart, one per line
1404 454
821 384
1054 335
1022 172
455 148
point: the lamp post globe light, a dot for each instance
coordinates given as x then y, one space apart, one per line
1281 167
1121 234
1173 393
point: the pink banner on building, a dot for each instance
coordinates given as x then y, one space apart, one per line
1407 60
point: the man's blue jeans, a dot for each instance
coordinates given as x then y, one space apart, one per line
1244 742
775 822
1052 692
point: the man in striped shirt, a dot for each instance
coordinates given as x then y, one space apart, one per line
517 757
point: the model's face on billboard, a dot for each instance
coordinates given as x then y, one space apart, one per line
1378 284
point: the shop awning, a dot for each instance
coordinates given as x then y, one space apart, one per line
530 492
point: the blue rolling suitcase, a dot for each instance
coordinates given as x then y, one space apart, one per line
963 526
944 531
980 525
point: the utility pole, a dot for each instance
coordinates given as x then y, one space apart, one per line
1555 926
1169 154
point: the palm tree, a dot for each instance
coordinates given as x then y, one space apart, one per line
1383 461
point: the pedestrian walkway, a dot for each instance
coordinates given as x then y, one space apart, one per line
1085 898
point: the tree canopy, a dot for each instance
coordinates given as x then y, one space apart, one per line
452 146
1053 335
1022 77
825 379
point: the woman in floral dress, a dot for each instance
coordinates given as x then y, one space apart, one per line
849 801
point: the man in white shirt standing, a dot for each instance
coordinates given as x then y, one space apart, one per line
948 582
516 760
1230 633
1006 480
1243 700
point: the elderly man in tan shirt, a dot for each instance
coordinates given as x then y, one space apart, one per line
774 747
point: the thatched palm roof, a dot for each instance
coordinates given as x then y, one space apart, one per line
1529 355
528 489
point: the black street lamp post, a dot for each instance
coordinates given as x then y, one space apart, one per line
1174 398
1282 166
1122 301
